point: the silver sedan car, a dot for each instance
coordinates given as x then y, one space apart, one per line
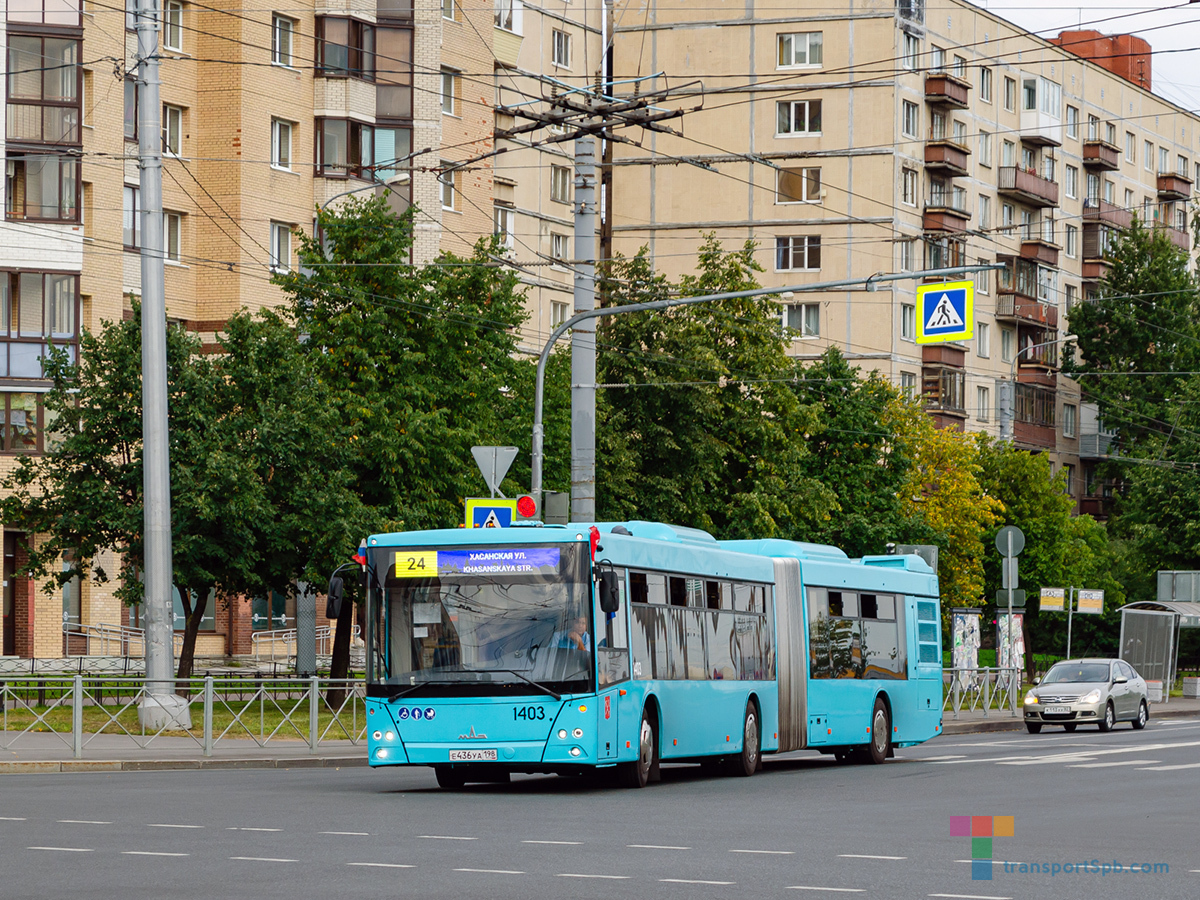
1089 691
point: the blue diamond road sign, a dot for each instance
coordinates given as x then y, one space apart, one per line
945 312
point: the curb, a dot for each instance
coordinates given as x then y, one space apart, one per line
1014 723
41 767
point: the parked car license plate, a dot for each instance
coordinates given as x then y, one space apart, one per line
480 755
1058 710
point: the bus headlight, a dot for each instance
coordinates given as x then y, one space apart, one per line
381 753
577 733
389 736
575 751
562 734
377 735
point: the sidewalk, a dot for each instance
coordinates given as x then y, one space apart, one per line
1001 720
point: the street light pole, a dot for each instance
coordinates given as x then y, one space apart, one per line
535 487
1006 390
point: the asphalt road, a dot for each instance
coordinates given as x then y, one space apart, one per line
804 827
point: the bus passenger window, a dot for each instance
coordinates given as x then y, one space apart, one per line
741 597
870 608
850 604
695 593
656 588
678 591
887 606
712 594
638 591
726 595
835 603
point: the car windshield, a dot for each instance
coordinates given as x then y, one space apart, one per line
1076 673
482 616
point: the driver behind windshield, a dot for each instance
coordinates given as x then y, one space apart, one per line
576 636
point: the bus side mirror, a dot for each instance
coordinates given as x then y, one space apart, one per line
610 598
334 595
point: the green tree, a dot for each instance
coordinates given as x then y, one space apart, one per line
705 430
260 491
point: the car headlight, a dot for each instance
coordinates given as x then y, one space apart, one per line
1091 696
1031 698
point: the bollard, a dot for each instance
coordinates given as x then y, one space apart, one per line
314 697
77 716
208 716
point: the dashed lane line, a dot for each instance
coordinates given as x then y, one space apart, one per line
445 837
655 847
165 825
1109 765
492 871
1170 768
150 853
692 881
263 859
81 822
556 843
581 875
868 856
236 828
767 852
64 849
376 865
970 897
835 890
348 833
12 818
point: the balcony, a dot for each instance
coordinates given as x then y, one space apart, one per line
1181 239
1026 309
1101 156
1041 251
1173 186
944 89
944 390
942 214
1096 210
1099 508
1028 187
946 156
1027 434
1039 359
1094 445
1095 270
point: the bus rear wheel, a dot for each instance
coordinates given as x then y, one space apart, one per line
642 771
881 733
746 763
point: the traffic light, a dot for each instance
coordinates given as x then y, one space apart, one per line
527 508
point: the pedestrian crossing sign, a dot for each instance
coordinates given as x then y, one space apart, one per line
945 312
496 512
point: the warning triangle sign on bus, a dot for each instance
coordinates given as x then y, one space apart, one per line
944 315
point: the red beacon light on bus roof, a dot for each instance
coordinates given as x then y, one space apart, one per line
527 507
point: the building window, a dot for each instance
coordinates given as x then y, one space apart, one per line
985 211
345 148
1181 166
912 51
1010 94
345 47
908 255
985 148
1072 182
1034 405
911 119
797 117
172 130
131 218
1008 153
1006 218
937 58
282 31
1110 191
448 186
41 186
908 322
983 280
983 403
131 110
1130 201
561 51
508 15
448 9
44 79
394 76
985 84
1073 122
450 92
1110 133
908 193
172 236
281 144
38 311
1130 142
173 26
22 421
1072 296
1006 345
506 225
803 49
803 318
798 185
959 69
798 253
558 313
908 385
1072 241
1163 156
560 184
1069 417
281 247
1148 156
983 340
559 251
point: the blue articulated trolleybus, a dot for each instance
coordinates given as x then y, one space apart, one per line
617 646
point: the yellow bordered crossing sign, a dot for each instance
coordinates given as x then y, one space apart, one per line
496 512
945 312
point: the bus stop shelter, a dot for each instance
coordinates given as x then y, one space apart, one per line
1150 632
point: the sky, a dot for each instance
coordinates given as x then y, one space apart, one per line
1171 27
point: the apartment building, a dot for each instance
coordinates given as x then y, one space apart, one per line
268 111
886 137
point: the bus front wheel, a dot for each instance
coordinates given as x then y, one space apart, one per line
881 733
644 769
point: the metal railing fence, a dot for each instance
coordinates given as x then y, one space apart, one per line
982 689
78 709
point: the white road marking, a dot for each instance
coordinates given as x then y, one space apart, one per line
159 825
939 758
1060 758
493 871
348 833
995 759
263 859
235 828
577 875
655 847
1193 871
81 822
150 853
970 897
1171 768
867 856
64 849
560 843
12 818
690 881
445 837
1121 762
771 852
383 865
1087 755
806 887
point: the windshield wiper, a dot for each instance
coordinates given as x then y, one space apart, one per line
540 687
421 684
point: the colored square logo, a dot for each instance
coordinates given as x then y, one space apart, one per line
1003 826
981 826
960 826
981 870
981 848
982 830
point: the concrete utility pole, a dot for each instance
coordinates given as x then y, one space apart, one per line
583 338
161 706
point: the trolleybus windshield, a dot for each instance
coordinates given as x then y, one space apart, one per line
481 620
